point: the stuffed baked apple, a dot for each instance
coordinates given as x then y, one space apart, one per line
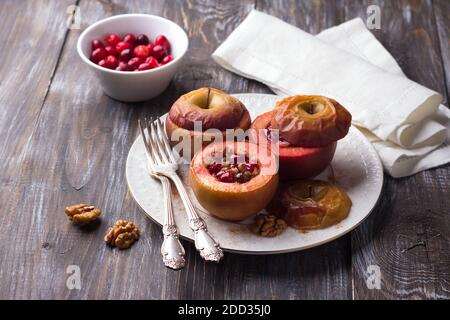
198 116
308 128
234 180
311 204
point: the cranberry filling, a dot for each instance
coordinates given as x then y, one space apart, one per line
233 170
281 142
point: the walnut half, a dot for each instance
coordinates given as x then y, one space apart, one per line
122 235
268 225
82 213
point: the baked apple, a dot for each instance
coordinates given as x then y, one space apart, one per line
233 180
310 121
311 204
203 115
294 162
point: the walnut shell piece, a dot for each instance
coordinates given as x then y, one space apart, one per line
82 213
268 225
122 235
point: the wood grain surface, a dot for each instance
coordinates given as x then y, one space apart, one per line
62 141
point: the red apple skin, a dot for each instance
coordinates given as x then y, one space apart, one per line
294 162
232 201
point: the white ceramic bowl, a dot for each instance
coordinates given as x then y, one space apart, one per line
142 85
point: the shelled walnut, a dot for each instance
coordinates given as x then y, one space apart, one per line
122 235
268 225
82 213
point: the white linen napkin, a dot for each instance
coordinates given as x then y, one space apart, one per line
402 118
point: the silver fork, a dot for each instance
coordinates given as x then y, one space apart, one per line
166 165
172 250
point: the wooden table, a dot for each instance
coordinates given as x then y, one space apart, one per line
62 141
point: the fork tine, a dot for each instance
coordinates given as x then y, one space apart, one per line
156 137
154 149
163 135
150 161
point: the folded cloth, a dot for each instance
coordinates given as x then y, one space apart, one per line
346 63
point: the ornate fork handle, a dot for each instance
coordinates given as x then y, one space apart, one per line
171 249
208 248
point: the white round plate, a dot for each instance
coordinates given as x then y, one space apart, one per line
356 167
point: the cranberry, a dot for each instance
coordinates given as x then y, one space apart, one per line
141 51
122 45
167 59
130 38
162 41
150 49
113 39
126 55
142 39
122 66
111 62
98 54
214 168
226 177
144 66
159 52
111 51
134 63
95 44
240 170
102 63
152 62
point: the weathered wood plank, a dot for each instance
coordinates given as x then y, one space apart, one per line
442 14
407 234
32 34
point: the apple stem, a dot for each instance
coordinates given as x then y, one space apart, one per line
310 191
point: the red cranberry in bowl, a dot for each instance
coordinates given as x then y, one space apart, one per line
159 52
102 63
122 45
162 41
144 66
123 66
98 54
126 55
113 39
142 39
167 59
150 49
141 51
111 62
95 44
134 63
152 62
130 38
111 50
